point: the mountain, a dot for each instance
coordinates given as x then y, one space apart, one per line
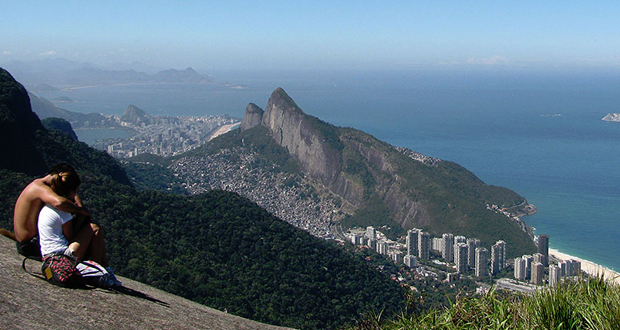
188 75
19 125
46 109
351 173
61 72
135 115
60 125
216 248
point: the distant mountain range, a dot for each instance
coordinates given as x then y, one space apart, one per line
53 73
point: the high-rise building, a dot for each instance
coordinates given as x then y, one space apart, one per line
528 266
562 266
554 275
396 256
371 233
437 244
543 248
538 271
372 243
498 257
539 257
424 242
411 261
412 241
519 270
447 248
482 263
382 247
460 257
472 244
573 267
502 250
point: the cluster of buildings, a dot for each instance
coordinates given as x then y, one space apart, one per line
165 135
466 254
534 267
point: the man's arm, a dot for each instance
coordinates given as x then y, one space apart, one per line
48 196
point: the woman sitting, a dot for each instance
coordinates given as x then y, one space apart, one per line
61 233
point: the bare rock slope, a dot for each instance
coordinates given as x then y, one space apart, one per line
27 302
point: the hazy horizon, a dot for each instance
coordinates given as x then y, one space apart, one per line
285 35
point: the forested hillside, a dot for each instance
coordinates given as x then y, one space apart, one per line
216 248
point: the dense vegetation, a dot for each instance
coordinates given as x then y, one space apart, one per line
579 304
223 251
148 175
217 248
455 197
257 139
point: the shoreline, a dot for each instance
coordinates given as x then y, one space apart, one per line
589 267
223 130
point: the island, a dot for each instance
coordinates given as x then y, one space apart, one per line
613 117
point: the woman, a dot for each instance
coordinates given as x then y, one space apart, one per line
65 239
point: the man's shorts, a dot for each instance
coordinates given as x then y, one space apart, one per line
30 248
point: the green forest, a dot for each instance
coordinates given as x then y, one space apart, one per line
217 248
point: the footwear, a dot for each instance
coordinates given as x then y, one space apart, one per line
112 280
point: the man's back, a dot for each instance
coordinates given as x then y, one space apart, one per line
27 208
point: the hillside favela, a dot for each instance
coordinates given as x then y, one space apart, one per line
310 166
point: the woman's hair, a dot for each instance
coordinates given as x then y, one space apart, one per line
64 179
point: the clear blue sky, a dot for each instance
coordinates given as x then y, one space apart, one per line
314 34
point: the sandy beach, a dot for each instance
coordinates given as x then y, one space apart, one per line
222 130
589 267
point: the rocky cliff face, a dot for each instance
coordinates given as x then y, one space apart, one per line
18 124
304 137
252 118
320 149
416 190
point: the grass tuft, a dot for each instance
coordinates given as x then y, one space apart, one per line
585 303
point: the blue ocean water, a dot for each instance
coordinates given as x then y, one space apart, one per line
540 134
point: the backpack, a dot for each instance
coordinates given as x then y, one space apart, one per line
94 274
62 270
59 269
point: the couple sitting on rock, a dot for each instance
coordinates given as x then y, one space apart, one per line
50 219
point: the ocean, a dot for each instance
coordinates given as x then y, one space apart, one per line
540 134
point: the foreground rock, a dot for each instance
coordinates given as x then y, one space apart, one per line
27 302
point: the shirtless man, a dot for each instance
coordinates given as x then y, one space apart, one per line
30 202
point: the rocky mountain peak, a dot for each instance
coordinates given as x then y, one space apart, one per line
412 189
252 118
135 115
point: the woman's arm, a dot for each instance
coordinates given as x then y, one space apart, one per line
67 230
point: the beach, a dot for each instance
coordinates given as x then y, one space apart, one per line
589 267
223 130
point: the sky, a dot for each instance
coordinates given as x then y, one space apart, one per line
291 34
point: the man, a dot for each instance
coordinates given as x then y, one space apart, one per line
30 202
